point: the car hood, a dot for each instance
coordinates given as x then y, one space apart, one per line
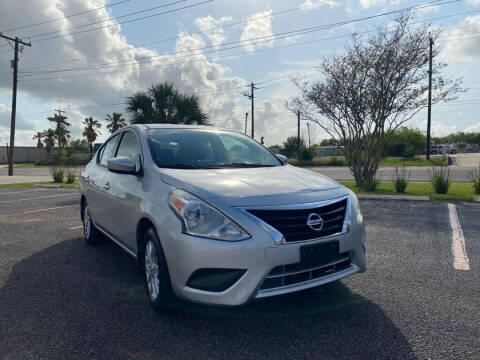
256 186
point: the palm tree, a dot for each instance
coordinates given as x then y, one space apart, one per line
91 131
115 122
50 138
61 129
39 136
164 103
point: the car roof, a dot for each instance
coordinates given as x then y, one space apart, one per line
144 127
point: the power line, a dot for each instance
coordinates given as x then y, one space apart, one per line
128 21
106 20
186 35
266 38
64 17
201 54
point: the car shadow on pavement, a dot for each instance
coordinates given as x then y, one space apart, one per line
76 301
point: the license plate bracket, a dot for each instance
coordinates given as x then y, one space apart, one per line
319 254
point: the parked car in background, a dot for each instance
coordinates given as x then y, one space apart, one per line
214 217
442 149
473 149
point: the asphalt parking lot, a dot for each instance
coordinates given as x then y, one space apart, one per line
62 299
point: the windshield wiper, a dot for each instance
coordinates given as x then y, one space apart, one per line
178 166
243 165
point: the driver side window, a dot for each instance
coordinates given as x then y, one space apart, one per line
108 151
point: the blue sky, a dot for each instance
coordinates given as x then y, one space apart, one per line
216 75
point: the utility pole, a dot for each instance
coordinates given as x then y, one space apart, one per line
246 122
429 120
298 134
17 41
309 140
251 96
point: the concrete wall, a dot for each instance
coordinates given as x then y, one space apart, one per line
24 154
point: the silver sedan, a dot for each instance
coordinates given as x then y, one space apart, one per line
214 217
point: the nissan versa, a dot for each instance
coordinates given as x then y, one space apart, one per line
214 217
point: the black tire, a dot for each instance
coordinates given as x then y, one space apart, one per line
92 235
163 298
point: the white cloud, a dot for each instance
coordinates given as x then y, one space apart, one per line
313 4
440 129
111 83
427 9
217 36
473 128
260 27
369 3
473 3
462 44
4 108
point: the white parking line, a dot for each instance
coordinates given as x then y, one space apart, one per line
75 228
22 191
459 252
39 210
37 198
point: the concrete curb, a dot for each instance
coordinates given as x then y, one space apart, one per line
393 197
477 200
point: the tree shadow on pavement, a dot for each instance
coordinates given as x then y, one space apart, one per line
79 302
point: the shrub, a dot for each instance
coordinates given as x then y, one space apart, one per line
370 184
476 180
440 177
71 176
60 157
306 154
409 152
57 174
400 178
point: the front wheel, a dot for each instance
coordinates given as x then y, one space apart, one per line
156 276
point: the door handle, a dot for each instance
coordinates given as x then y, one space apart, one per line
106 187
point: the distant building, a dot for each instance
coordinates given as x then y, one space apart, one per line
335 150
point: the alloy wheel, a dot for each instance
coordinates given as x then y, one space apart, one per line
87 227
151 270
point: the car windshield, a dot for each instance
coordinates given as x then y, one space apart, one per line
207 149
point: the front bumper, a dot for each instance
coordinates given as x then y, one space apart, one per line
258 256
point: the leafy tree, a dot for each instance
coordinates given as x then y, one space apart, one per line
78 145
330 142
39 137
91 132
459 137
61 129
373 88
115 122
404 142
290 146
164 103
50 137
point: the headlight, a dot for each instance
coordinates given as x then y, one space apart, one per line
200 219
356 212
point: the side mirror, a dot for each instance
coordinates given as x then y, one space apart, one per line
122 165
283 159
